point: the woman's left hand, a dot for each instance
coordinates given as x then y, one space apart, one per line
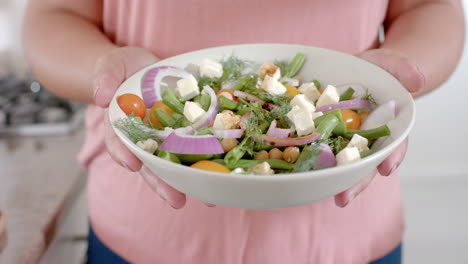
413 80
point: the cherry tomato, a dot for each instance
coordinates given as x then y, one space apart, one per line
152 117
351 118
291 91
131 103
210 166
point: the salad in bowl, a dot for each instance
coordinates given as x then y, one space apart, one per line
238 120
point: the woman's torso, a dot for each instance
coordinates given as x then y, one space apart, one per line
137 224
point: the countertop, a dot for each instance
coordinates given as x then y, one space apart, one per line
36 176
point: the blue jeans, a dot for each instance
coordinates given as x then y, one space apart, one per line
98 253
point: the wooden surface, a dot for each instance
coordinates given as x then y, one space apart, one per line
36 175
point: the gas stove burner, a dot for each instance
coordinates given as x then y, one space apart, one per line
28 109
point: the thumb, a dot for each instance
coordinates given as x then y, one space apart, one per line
397 64
115 67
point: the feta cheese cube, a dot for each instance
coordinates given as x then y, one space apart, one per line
277 74
347 156
149 145
226 120
303 102
272 85
316 114
329 96
302 120
193 111
211 69
238 171
310 90
359 142
187 88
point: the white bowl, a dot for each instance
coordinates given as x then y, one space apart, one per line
282 190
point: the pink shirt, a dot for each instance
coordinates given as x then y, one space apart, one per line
135 223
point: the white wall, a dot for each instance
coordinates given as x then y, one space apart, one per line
439 141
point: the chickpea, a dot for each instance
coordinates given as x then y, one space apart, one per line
262 169
291 154
229 143
227 95
262 155
275 153
267 69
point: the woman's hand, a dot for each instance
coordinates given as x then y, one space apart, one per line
111 70
413 80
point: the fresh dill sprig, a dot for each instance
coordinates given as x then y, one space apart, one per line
370 98
336 143
232 70
135 129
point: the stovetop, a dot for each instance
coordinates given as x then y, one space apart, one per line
26 108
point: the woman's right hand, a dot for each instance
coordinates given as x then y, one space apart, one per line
111 70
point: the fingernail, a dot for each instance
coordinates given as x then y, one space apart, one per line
96 86
345 201
392 170
125 165
162 193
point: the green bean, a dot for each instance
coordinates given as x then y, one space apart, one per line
264 126
192 158
326 127
336 113
317 84
247 164
295 65
163 154
236 153
260 146
366 153
347 94
340 129
205 101
307 158
171 100
370 134
244 82
164 118
226 103
244 110
204 131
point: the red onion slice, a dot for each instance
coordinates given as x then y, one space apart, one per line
274 131
180 142
228 133
359 90
274 141
252 98
380 116
244 120
212 110
151 82
349 104
247 96
326 158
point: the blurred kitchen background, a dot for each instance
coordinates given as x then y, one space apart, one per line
42 187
